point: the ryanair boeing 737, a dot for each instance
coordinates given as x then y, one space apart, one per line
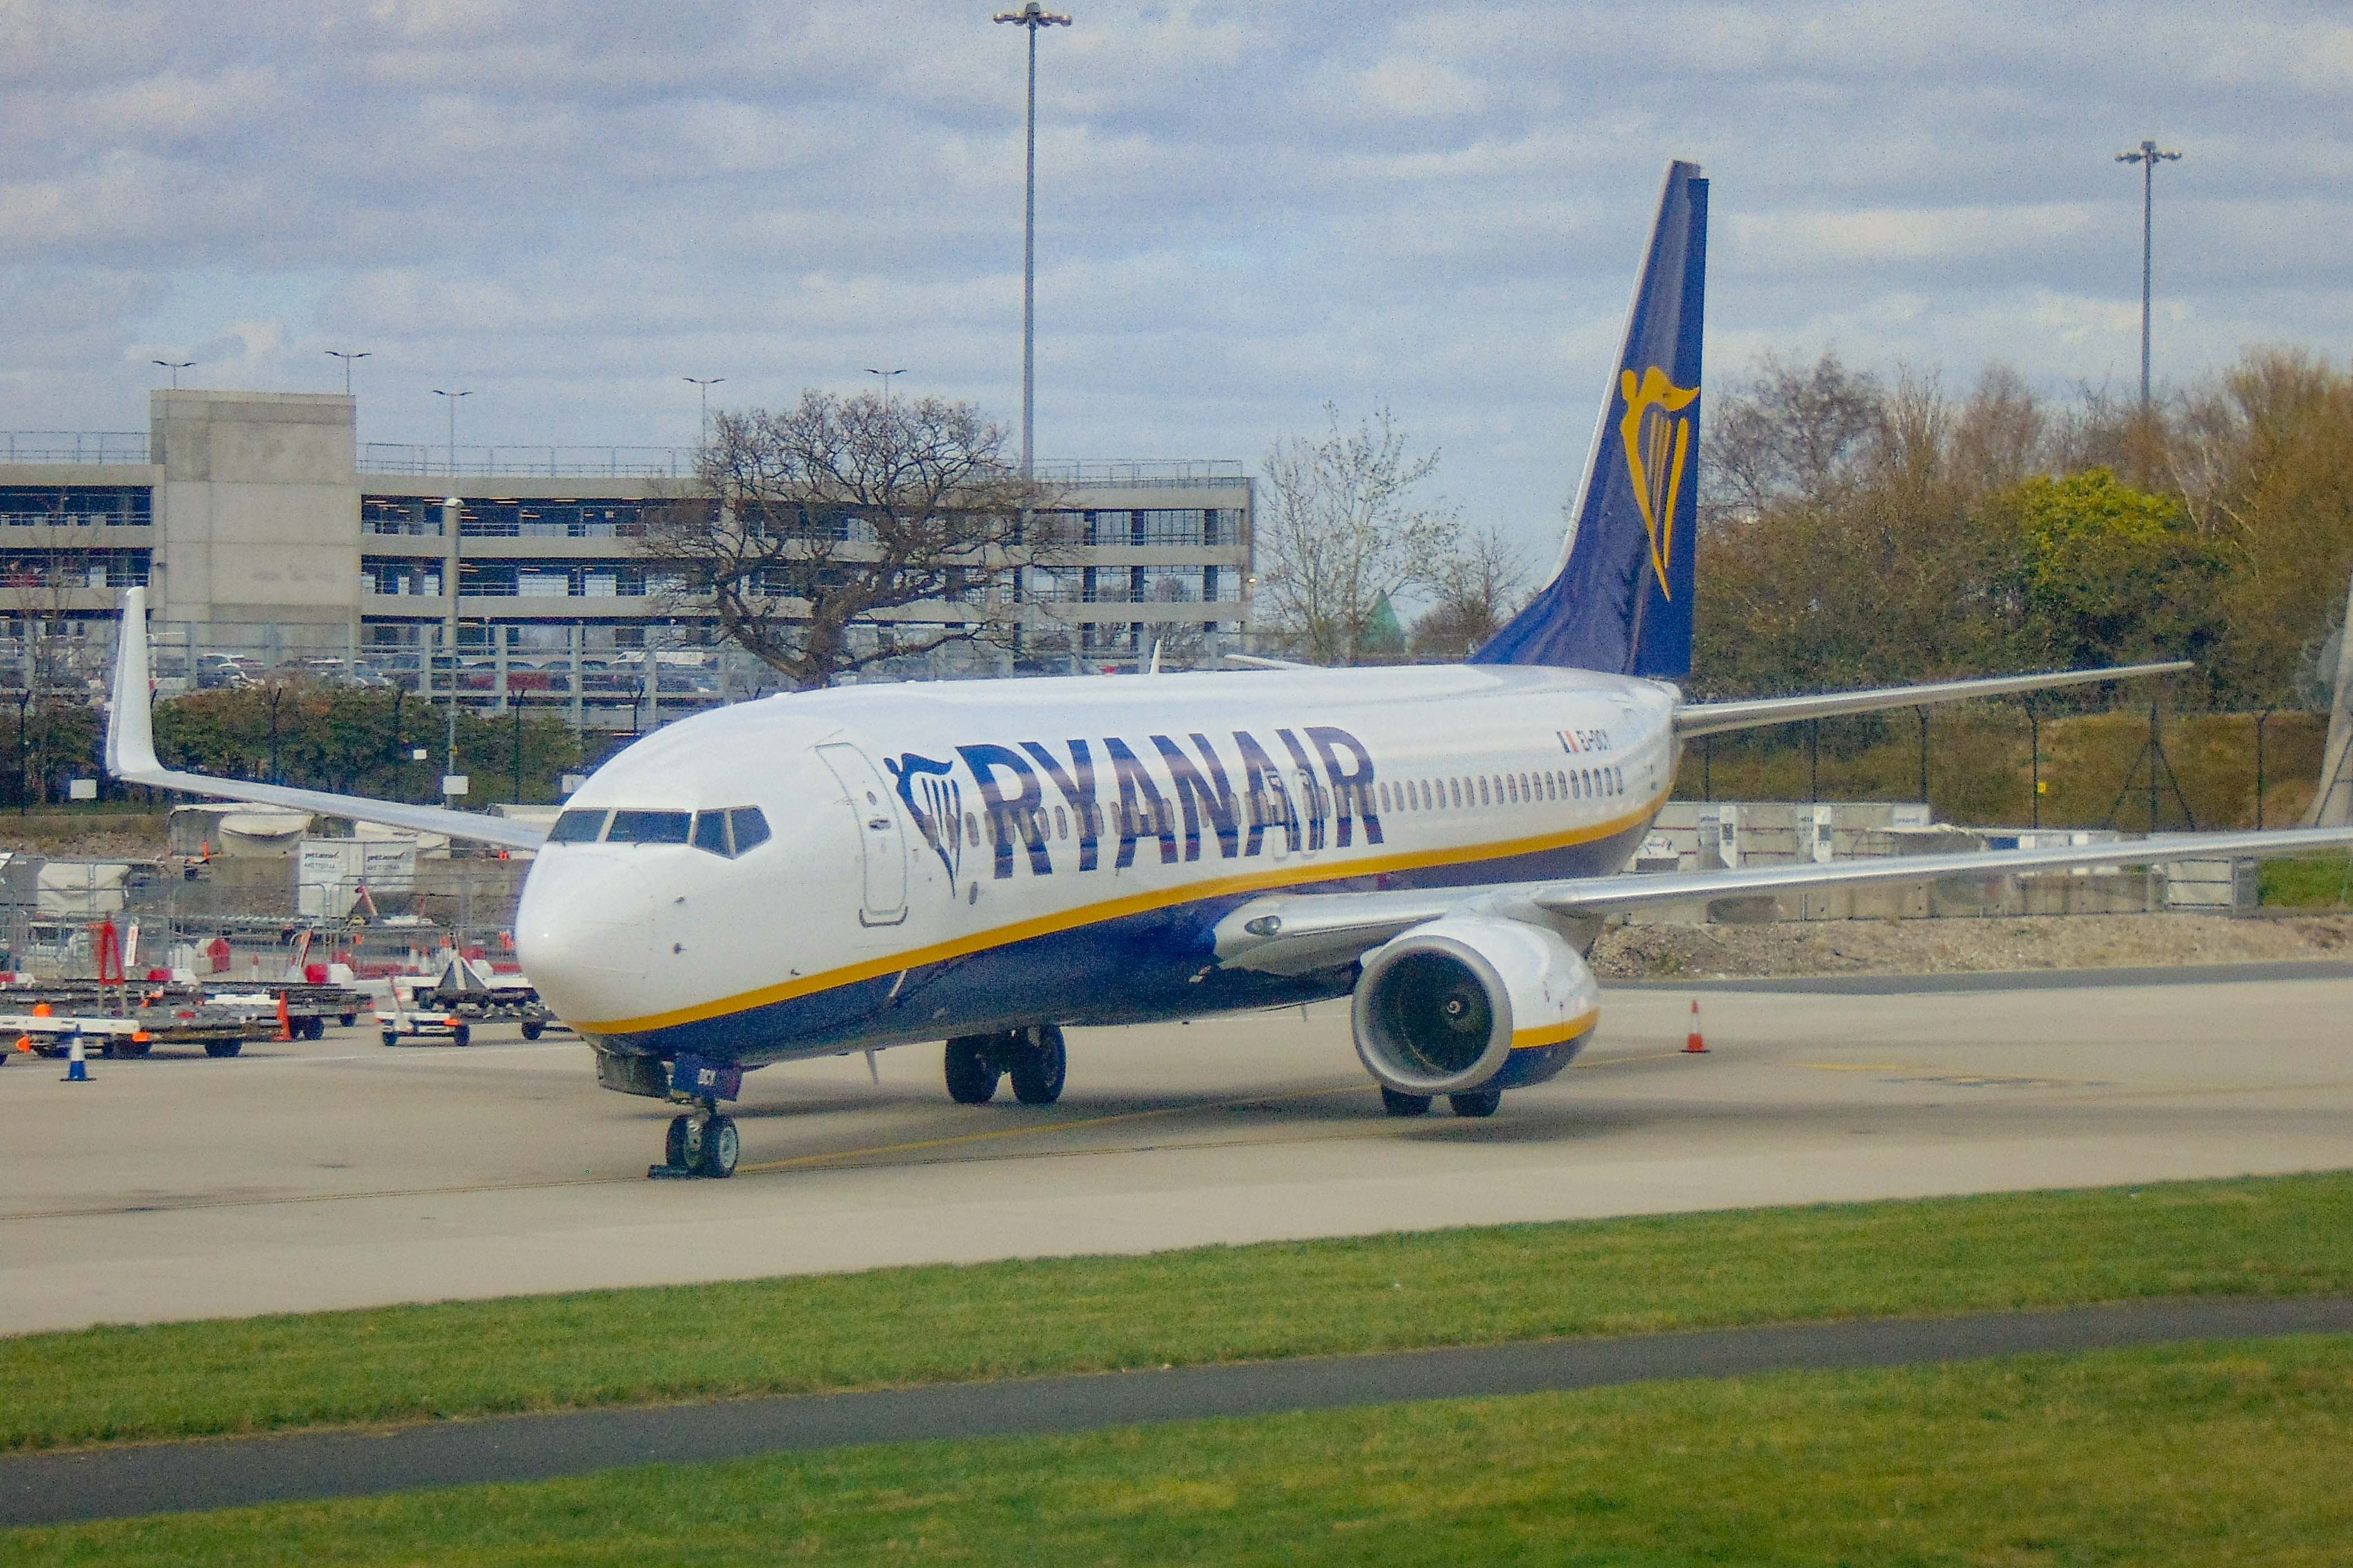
985 863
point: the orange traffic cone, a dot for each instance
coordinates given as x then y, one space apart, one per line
286 1024
1692 1045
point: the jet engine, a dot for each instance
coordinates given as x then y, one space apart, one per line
1473 1002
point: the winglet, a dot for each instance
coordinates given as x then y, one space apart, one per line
129 712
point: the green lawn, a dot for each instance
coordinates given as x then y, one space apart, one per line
2212 1455
2283 1236
2306 882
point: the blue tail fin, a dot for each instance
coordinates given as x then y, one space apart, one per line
1621 599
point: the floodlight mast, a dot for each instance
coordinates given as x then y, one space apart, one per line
347 357
703 383
175 366
2148 155
1030 18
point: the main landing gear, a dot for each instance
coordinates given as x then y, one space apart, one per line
1033 1058
1477 1102
703 1144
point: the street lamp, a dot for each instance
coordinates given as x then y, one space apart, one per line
453 397
346 358
886 375
1030 18
2149 157
703 383
175 366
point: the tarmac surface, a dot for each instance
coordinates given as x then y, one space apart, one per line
340 1173
117 1483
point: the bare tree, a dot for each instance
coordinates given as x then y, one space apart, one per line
848 530
1479 587
1790 433
1343 531
51 673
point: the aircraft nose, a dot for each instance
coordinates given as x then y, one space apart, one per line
584 934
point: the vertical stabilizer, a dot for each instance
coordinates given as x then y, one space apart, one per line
1621 599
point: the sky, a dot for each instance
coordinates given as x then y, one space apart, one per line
1244 211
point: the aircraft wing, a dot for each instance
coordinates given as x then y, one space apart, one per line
1716 718
1293 933
130 757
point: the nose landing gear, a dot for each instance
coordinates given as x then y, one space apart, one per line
703 1144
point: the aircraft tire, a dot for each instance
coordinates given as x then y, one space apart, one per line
1038 1070
1401 1104
674 1141
1478 1103
721 1146
972 1075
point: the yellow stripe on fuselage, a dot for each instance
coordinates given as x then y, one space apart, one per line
1114 908
1554 1034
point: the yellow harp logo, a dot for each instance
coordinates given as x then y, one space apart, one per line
1657 445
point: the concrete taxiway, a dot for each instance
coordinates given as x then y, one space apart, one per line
340 1173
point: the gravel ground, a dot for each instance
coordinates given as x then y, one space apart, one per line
1937 946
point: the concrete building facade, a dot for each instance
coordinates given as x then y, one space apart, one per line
268 534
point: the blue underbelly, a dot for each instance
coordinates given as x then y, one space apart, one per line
1132 969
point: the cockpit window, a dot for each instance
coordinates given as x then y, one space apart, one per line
710 831
647 828
577 827
751 829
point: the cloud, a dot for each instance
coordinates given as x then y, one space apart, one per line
1241 211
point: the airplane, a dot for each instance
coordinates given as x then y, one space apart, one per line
988 863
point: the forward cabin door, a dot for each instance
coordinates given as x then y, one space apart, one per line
881 842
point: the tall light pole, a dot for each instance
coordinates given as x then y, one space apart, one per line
453 397
175 366
886 375
1030 18
452 511
703 383
346 358
2149 157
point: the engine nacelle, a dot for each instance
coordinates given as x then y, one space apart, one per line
1470 1001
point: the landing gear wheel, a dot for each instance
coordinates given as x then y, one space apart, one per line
1397 1104
675 1141
1039 1070
1478 1103
231 1047
972 1076
533 1029
722 1144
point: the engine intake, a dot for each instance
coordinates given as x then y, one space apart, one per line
1470 1001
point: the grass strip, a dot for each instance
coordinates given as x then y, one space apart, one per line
2210 1455
1403 1290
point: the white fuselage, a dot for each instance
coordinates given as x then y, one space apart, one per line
944 857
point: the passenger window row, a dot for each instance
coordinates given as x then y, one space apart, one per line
1501 789
732 832
1003 824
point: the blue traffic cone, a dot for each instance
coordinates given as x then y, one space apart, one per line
77 1067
